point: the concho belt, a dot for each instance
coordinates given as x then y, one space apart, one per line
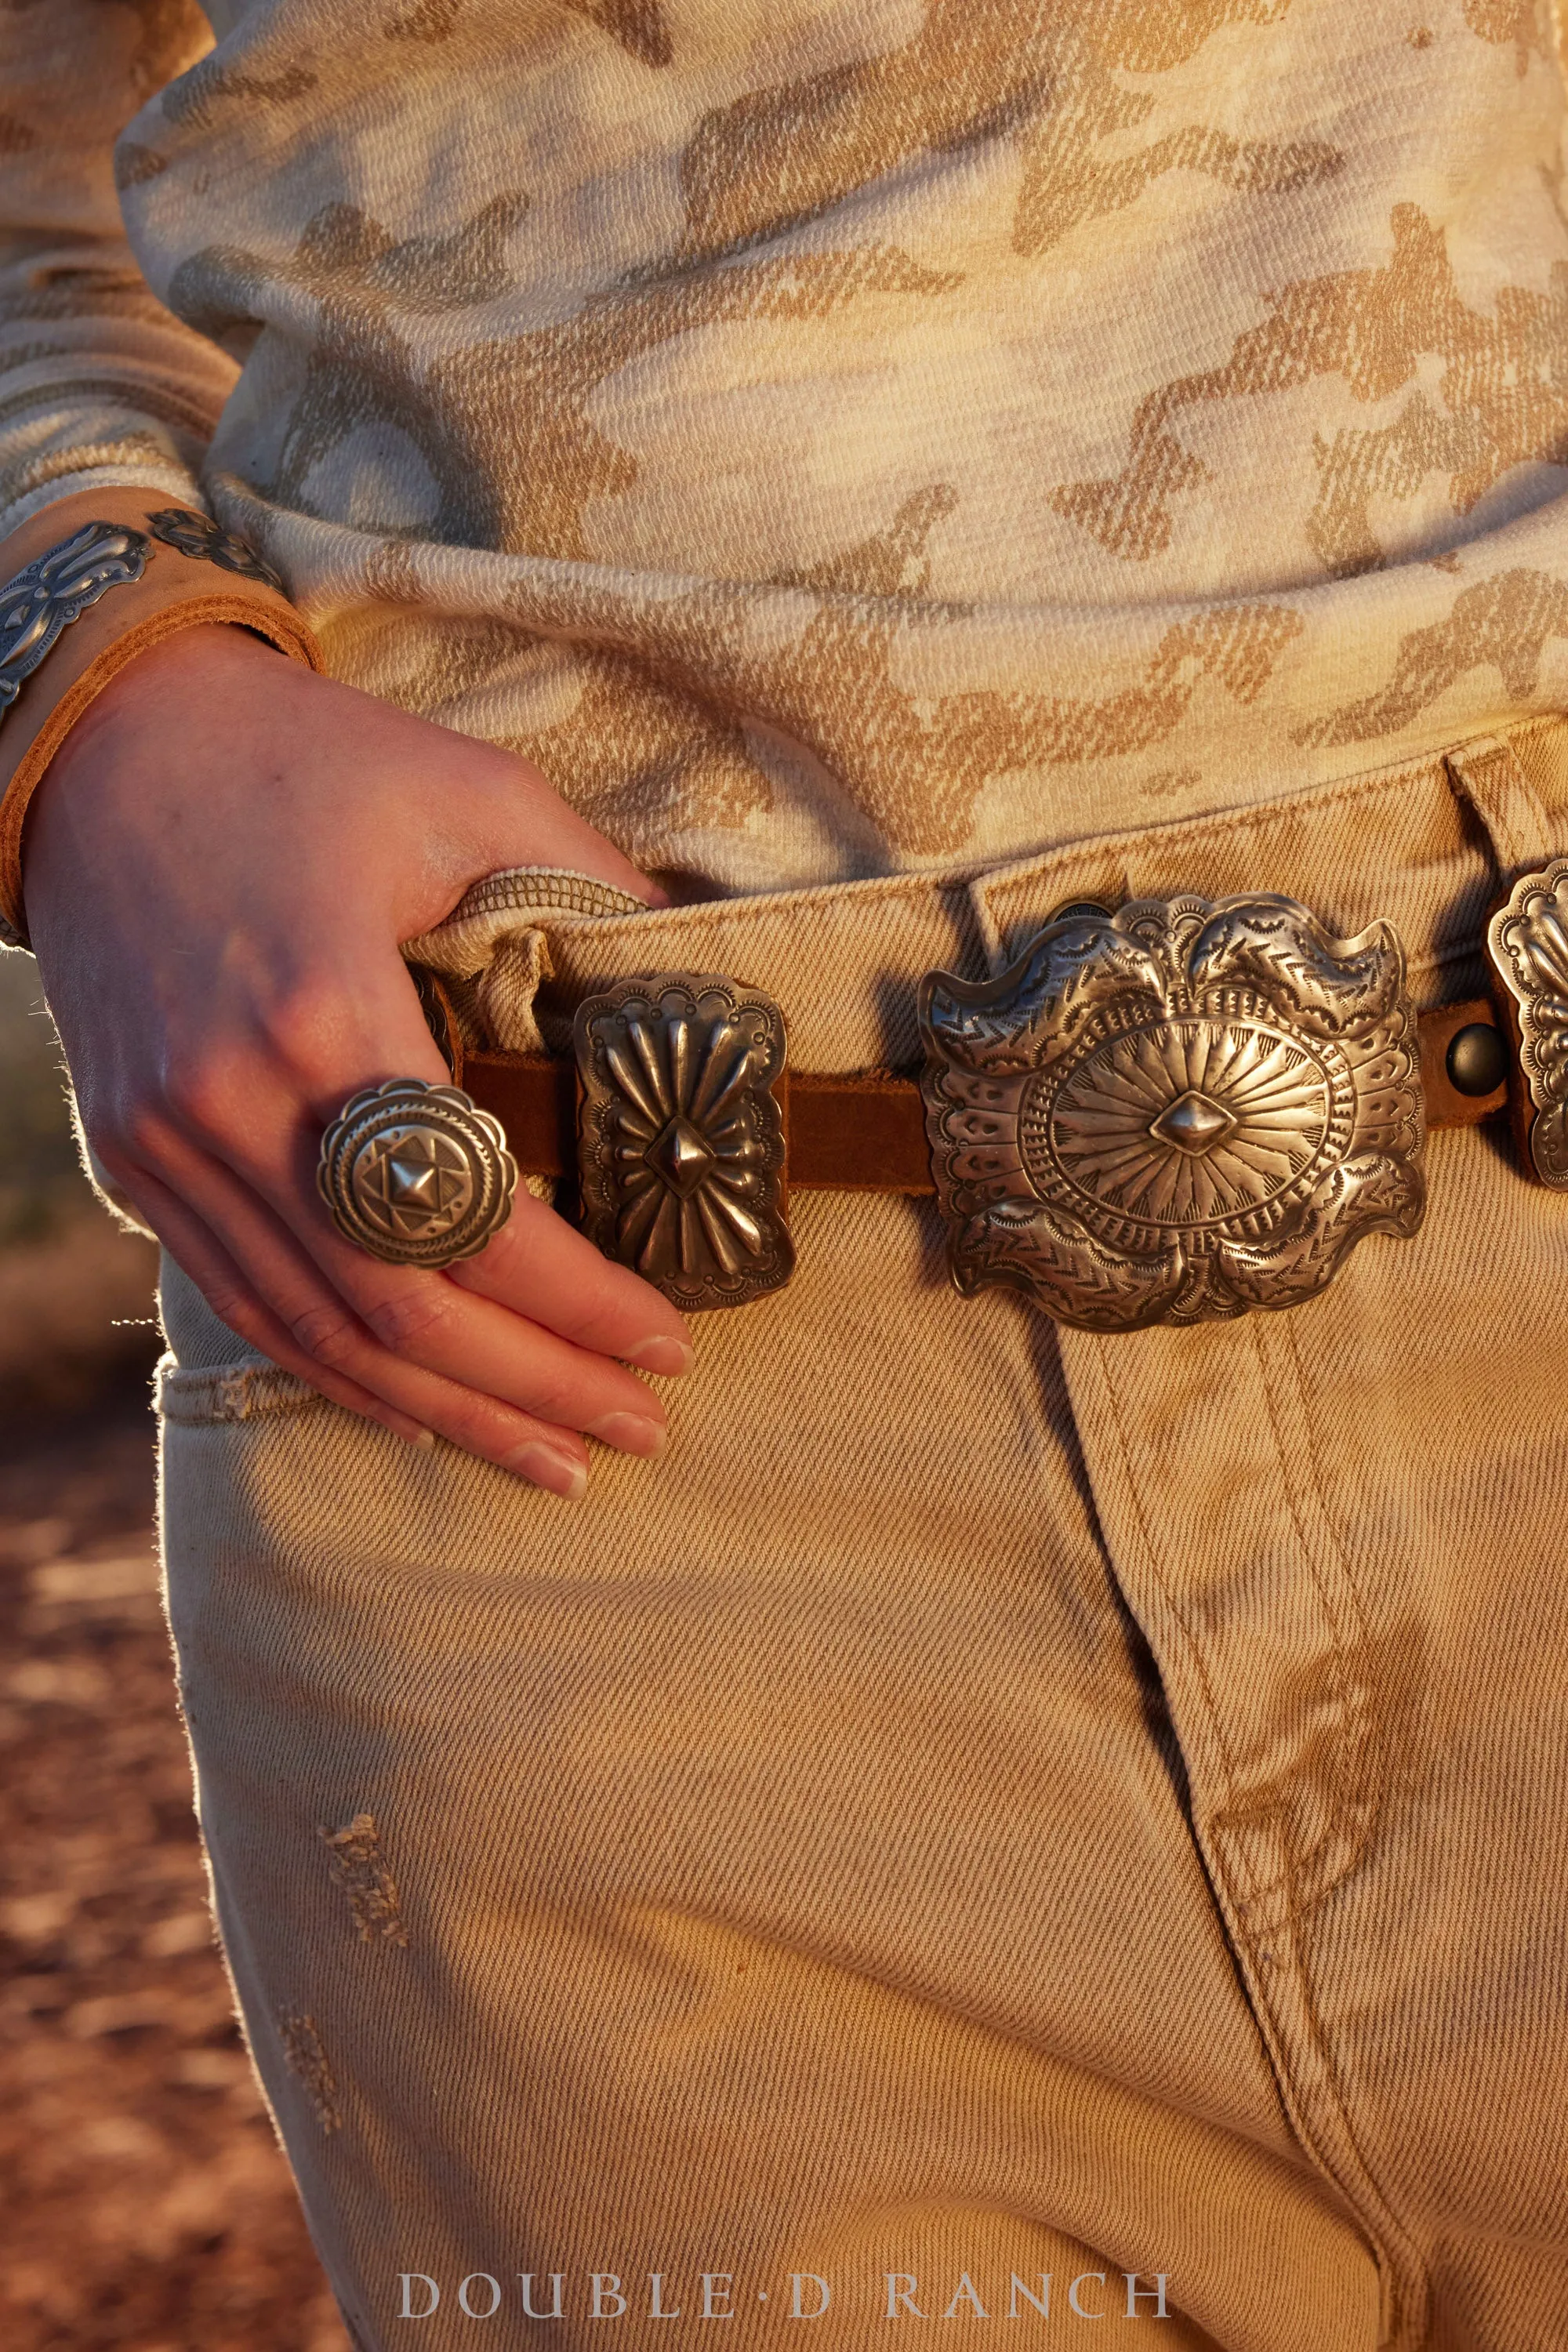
1163 1113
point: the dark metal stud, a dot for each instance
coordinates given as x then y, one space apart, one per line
1477 1059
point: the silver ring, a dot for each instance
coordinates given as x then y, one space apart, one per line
416 1174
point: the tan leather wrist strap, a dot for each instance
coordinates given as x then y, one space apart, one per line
863 1133
196 573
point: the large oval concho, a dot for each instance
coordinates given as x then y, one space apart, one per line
1176 1111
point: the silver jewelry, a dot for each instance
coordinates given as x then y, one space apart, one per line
206 541
56 589
1180 1110
416 1174
680 1138
1527 942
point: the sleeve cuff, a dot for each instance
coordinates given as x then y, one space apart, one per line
197 573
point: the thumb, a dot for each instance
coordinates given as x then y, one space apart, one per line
528 823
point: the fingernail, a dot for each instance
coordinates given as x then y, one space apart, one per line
542 1465
424 1438
671 1356
629 1432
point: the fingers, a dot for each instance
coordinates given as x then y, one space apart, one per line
539 1267
540 1319
532 826
301 1333
464 1335
460 1365
428 1320
515 1362
224 1287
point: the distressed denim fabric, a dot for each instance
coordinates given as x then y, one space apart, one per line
993 1802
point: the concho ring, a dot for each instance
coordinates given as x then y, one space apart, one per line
416 1174
1174 1112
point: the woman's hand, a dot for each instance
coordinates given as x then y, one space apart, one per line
220 866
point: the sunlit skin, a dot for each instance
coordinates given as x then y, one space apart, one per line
218 869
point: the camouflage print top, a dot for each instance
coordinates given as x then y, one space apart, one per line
832 435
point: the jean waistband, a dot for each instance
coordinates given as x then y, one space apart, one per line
1401 843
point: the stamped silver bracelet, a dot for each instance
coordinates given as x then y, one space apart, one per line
59 585
56 589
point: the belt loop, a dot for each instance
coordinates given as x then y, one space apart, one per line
1000 947
506 990
993 945
493 948
1488 775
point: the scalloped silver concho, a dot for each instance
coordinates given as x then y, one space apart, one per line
1174 1112
1527 939
680 1138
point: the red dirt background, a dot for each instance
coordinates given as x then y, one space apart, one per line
148 2208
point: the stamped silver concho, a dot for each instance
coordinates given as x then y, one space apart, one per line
416 1173
681 1141
56 589
1528 940
1174 1112
206 541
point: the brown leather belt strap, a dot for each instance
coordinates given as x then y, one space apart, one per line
864 1133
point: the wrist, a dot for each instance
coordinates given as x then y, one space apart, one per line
136 776
156 690
72 623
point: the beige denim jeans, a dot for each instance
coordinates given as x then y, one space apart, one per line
1001 1826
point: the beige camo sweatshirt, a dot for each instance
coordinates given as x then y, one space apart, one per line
831 435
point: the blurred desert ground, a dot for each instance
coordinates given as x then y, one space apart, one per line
147 2207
